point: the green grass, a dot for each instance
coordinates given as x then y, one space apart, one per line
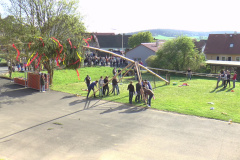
190 100
163 37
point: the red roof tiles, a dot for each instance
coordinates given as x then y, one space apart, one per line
220 44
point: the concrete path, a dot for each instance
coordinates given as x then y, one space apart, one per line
61 126
3 70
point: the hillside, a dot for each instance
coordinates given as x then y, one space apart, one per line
171 33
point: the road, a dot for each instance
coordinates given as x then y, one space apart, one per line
3 70
55 125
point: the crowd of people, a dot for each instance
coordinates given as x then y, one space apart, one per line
102 85
225 77
93 60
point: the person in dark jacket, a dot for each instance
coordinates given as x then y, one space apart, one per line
114 71
87 80
131 92
42 80
91 87
138 90
106 86
115 86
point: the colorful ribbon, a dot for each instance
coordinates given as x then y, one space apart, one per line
59 44
78 74
39 59
86 40
33 59
17 51
69 42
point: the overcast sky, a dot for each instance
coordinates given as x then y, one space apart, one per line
121 16
132 15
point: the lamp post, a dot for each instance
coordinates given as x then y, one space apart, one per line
122 45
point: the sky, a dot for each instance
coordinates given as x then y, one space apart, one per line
123 16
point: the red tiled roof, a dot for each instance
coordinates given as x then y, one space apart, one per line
200 44
103 34
153 46
220 44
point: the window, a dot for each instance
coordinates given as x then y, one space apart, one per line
223 58
237 58
218 58
231 45
229 58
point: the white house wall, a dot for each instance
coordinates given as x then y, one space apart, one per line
140 52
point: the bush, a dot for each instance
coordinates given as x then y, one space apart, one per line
151 61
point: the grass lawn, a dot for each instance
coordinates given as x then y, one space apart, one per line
192 100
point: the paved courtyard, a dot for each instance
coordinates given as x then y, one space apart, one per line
61 126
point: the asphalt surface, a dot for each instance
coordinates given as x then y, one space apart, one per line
55 125
3 70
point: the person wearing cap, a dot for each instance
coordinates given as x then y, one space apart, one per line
91 87
106 86
131 92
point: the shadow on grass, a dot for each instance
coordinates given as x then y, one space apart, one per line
164 85
230 89
222 89
213 90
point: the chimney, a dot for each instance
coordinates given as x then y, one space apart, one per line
235 33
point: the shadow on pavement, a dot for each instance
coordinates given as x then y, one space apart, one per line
1 138
126 108
68 97
19 92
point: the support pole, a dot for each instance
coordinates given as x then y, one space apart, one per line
140 81
114 77
130 60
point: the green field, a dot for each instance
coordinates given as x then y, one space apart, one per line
163 37
192 100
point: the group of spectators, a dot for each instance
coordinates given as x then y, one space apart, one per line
103 86
104 61
225 77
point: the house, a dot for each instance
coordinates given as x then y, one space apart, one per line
222 51
223 47
115 43
144 50
200 45
109 42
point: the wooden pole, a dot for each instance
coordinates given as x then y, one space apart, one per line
130 60
114 77
132 64
140 81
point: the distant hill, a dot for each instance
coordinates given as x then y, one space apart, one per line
164 33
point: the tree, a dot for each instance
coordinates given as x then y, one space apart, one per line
49 20
179 54
11 30
141 37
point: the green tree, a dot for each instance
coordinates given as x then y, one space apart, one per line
46 19
10 31
179 54
141 37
